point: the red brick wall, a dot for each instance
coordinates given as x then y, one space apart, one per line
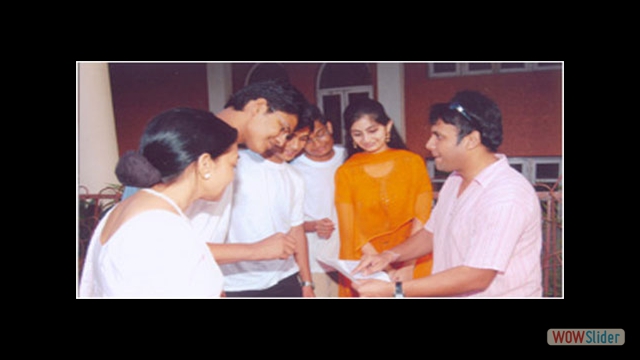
141 91
531 104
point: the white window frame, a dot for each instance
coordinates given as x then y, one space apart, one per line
525 166
462 69
465 69
528 168
433 74
344 98
546 160
527 67
555 66
431 168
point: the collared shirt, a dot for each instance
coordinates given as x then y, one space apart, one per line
493 224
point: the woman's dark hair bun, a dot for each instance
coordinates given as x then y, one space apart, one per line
133 169
171 141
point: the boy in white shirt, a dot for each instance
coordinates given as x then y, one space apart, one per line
267 200
317 165
264 114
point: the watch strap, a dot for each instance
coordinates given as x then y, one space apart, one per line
399 293
308 283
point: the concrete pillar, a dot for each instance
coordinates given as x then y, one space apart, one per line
97 142
219 85
391 93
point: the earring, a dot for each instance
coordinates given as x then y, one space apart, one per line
207 176
355 146
388 137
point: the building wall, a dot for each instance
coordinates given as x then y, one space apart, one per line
301 75
141 91
531 104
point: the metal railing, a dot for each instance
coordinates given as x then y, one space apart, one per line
551 257
91 207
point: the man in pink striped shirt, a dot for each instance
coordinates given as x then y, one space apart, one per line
485 231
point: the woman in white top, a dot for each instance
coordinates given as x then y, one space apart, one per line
145 246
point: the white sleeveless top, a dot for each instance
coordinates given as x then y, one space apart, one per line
155 254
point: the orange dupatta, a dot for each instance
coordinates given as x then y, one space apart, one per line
377 198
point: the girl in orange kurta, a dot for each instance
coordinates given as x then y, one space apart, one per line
383 191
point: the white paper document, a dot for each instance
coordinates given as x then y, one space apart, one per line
346 266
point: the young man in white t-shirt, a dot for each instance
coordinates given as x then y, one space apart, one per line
317 165
264 114
267 200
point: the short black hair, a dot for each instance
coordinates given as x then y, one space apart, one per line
308 117
468 111
315 113
280 96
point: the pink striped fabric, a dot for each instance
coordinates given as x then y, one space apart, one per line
494 224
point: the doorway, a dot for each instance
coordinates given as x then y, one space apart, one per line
339 84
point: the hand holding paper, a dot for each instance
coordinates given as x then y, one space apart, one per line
348 268
375 262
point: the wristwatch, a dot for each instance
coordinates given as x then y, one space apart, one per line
308 283
399 293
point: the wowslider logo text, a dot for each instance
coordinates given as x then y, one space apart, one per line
585 336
